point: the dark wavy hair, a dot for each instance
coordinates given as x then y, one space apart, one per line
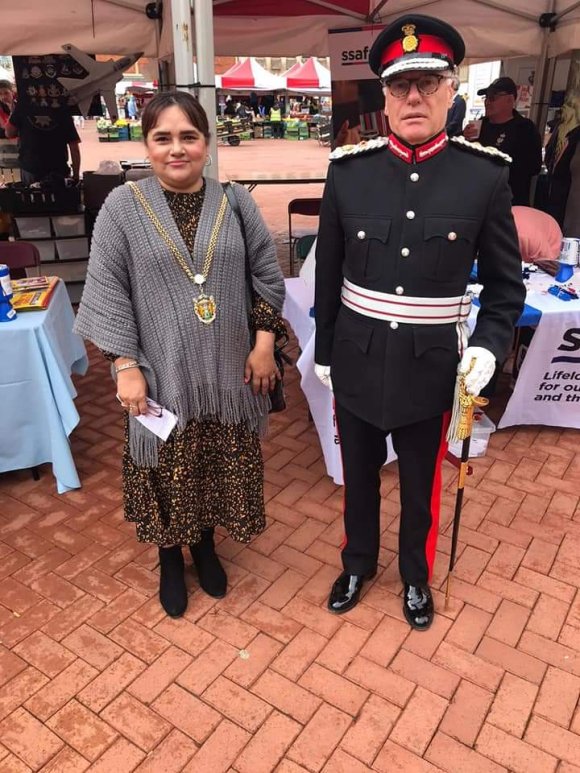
182 99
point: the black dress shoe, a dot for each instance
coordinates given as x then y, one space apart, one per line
212 577
172 590
346 590
418 606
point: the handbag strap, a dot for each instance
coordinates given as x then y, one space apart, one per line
230 192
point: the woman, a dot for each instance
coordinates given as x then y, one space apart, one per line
171 312
6 105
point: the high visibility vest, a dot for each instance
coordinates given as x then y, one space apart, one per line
275 115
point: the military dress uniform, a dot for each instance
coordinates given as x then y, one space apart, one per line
400 227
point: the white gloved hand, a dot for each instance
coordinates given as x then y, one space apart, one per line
482 370
323 373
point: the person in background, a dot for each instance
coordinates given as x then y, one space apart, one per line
166 300
275 118
254 103
505 129
230 109
132 107
539 235
456 113
564 181
7 104
46 140
401 220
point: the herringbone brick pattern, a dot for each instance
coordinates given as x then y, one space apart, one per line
93 676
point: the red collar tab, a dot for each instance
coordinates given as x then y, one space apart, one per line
418 153
417 44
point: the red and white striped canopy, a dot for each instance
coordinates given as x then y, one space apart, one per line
248 75
310 76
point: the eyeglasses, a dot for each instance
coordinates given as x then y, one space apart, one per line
426 85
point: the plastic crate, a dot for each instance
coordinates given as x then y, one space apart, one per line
483 428
68 225
73 249
74 271
33 227
45 248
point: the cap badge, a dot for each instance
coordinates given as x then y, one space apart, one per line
410 41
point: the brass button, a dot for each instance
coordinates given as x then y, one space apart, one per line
452 236
399 290
394 325
405 252
361 235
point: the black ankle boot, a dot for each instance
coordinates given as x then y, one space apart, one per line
172 590
211 574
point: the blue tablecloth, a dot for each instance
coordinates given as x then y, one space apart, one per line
38 353
530 317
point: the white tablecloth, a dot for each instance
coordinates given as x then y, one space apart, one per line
299 301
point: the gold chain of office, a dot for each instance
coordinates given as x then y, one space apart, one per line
204 305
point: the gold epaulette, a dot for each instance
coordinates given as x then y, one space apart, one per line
349 151
482 150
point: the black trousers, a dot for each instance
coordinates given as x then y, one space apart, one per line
277 130
421 448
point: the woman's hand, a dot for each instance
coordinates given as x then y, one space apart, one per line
132 391
261 370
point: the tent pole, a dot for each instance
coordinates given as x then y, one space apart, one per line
542 80
204 49
182 45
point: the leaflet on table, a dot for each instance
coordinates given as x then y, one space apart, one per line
159 421
33 293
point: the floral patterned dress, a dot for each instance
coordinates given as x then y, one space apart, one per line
210 474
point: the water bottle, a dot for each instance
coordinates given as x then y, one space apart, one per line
568 259
7 313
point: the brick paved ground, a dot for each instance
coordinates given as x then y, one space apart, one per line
94 676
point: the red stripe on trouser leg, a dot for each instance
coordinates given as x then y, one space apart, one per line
344 542
431 543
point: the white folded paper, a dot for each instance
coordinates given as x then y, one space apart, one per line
159 421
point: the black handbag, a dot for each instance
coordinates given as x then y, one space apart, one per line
277 396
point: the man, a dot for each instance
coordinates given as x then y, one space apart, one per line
402 219
456 114
505 129
45 142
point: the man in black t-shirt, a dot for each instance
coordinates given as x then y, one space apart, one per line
505 129
45 140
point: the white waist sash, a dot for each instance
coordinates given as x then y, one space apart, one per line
405 309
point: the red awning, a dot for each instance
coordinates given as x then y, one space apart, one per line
309 75
251 76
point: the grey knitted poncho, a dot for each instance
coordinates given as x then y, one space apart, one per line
138 303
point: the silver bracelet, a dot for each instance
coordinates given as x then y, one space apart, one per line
126 366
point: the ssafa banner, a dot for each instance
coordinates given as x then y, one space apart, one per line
357 97
547 389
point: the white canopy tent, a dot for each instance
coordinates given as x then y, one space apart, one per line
493 29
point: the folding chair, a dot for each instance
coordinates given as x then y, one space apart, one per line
303 245
308 207
19 256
